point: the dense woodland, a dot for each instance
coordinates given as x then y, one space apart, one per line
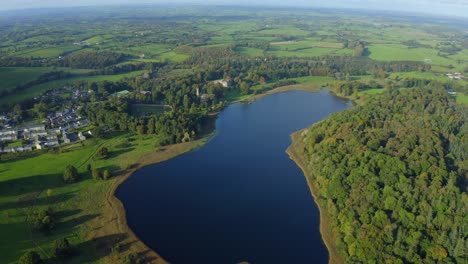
391 174
392 178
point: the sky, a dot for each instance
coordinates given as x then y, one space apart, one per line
442 7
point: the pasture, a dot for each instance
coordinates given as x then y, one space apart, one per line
41 88
147 109
13 76
50 52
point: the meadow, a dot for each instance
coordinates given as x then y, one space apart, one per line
85 211
26 190
11 77
147 109
41 88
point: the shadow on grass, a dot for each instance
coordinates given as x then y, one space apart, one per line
31 199
76 221
102 246
30 184
119 152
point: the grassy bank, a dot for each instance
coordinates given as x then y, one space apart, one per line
88 214
294 152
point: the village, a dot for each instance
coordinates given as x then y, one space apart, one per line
54 131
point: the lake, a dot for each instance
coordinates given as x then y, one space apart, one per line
239 197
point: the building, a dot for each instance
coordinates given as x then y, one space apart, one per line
455 76
451 92
224 83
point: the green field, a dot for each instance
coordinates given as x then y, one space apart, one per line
254 52
390 52
284 31
40 88
23 187
52 52
173 56
13 76
371 91
146 109
462 98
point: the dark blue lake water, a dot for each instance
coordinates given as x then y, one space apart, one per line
238 198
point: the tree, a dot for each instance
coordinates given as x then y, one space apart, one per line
62 248
103 153
96 173
43 220
134 258
70 175
106 174
30 257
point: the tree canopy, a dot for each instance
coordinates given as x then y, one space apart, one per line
392 178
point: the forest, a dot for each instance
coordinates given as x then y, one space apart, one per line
150 78
392 178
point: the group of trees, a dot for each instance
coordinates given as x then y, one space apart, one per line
391 177
70 175
90 59
62 250
43 221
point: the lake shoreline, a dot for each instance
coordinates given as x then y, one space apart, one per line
325 230
115 211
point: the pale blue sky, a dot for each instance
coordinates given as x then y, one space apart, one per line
444 7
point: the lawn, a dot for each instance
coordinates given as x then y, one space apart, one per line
173 56
13 76
392 52
462 98
148 50
419 75
148 109
51 52
371 91
79 206
254 52
40 88
311 52
284 31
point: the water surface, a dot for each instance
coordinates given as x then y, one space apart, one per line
238 198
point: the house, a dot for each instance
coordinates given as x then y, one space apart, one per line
455 76
9 135
70 138
52 143
81 136
451 92
224 83
40 145
34 128
37 134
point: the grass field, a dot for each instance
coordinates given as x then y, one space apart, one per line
173 56
420 75
147 109
254 52
284 31
13 76
462 98
148 50
51 52
371 91
392 52
40 88
79 206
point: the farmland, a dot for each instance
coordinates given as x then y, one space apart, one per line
151 82
253 36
